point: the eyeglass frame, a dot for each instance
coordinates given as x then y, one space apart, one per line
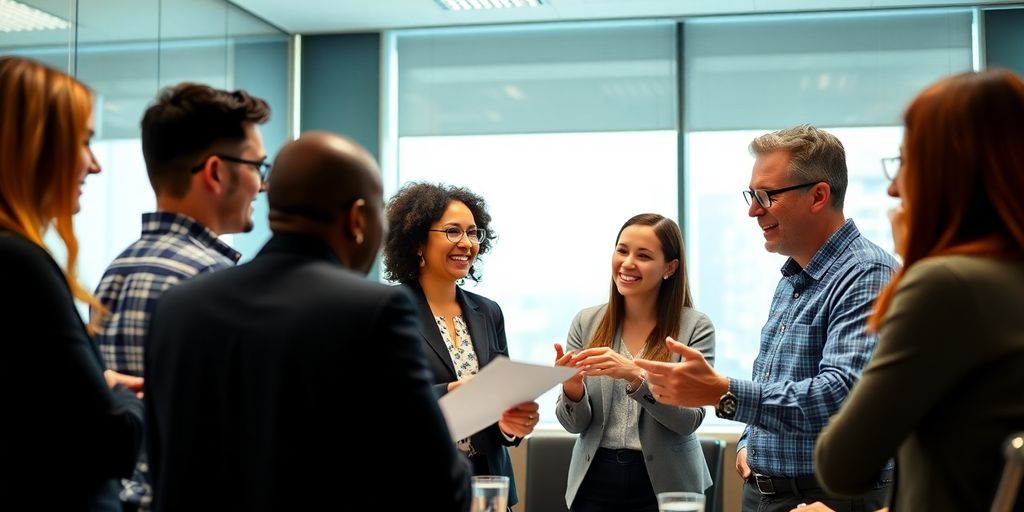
889 161
262 166
752 193
481 234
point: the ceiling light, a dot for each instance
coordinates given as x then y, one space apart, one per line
473 5
18 17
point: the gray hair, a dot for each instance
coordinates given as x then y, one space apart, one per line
814 155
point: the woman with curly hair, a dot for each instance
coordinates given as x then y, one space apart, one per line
437 232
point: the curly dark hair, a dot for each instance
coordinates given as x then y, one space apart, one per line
410 214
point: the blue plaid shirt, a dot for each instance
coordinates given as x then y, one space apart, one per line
813 349
173 247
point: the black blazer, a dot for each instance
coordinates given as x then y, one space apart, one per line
65 437
263 388
487 329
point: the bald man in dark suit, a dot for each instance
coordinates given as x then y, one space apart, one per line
263 382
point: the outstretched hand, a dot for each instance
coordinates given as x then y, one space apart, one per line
563 358
605 362
573 386
689 383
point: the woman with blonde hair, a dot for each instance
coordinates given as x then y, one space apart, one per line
66 433
943 389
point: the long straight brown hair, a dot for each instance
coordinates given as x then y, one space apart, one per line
963 172
43 125
673 293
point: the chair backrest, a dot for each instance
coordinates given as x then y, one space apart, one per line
547 470
1013 473
714 454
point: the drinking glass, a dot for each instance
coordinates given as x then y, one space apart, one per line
680 502
490 493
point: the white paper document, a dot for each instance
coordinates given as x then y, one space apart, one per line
500 385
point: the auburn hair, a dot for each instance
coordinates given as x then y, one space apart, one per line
963 172
673 293
43 125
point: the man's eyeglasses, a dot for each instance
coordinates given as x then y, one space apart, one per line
262 166
891 166
455 234
764 197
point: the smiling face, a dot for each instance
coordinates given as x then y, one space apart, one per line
444 260
89 164
784 224
638 263
236 208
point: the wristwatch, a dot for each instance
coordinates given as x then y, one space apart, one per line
726 407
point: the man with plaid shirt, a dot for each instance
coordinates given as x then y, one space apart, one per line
814 344
207 164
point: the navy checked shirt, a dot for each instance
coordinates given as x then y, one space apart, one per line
172 247
813 349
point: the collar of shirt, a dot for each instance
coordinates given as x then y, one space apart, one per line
161 223
827 254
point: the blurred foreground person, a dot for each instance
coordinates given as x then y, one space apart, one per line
943 390
66 434
254 374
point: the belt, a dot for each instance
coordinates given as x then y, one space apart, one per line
621 456
769 486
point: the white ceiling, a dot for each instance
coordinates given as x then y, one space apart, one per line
324 16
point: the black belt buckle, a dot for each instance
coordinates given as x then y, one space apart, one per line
764 484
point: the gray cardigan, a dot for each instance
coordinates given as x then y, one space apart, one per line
672 451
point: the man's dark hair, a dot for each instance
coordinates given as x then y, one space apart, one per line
186 124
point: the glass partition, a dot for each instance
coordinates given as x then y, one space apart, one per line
126 51
566 130
849 73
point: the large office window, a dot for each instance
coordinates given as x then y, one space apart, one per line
111 47
566 131
851 74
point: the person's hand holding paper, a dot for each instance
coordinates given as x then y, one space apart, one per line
497 388
519 420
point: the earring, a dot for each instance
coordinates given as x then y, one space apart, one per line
423 262
667 276
359 239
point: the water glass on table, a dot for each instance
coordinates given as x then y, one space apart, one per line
490 493
680 502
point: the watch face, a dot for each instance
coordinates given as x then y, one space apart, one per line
726 406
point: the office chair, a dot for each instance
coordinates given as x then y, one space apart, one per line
547 470
714 454
1013 472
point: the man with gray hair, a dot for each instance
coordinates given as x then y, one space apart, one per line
814 344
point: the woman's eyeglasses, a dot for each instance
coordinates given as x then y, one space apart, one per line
891 166
455 234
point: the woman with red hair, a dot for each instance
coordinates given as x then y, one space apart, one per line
66 435
946 384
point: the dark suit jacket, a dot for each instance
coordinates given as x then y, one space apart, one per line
263 388
487 329
65 436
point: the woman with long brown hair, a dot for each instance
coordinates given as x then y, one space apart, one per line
631 446
943 389
66 434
